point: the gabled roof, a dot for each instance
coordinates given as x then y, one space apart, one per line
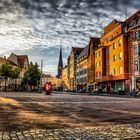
77 50
84 52
21 60
10 62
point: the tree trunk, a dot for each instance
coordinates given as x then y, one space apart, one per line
5 85
15 84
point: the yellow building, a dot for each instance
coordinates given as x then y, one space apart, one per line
65 78
72 67
56 82
98 64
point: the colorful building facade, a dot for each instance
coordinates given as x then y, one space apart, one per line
132 29
82 74
94 42
65 78
73 67
114 63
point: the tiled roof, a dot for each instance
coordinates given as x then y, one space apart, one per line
21 60
12 63
84 52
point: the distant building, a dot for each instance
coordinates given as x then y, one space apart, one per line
60 64
82 73
56 82
20 61
72 67
65 78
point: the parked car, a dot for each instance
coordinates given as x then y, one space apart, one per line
121 92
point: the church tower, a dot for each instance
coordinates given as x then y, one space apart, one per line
60 64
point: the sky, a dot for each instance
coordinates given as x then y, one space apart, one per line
39 27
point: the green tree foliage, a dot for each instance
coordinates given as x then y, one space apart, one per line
32 76
6 71
15 76
15 73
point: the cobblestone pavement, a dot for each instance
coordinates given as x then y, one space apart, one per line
59 116
118 132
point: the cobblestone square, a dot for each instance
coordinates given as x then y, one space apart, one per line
33 116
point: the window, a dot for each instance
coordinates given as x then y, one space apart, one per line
114 71
107 51
107 62
96 74
135 50
137 35
96 55
96 65
114 57
112 37
120 55
103 43
100 74
114 46
107 40
120 42
121 70
136 65
99 63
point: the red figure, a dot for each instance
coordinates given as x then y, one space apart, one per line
48 88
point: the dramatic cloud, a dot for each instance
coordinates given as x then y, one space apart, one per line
39 27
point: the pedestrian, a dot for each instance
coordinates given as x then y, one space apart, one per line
128 92
134 92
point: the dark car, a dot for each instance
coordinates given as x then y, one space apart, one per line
121 92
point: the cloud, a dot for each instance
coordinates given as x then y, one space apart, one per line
40 27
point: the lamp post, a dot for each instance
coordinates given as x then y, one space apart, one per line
40 89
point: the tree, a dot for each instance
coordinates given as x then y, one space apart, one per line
6 72
31 76
15 75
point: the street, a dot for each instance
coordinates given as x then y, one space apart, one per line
65 116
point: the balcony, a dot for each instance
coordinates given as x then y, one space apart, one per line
115 77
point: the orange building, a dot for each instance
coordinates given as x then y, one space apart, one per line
113 59
94 42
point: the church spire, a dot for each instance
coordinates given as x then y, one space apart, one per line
60 64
